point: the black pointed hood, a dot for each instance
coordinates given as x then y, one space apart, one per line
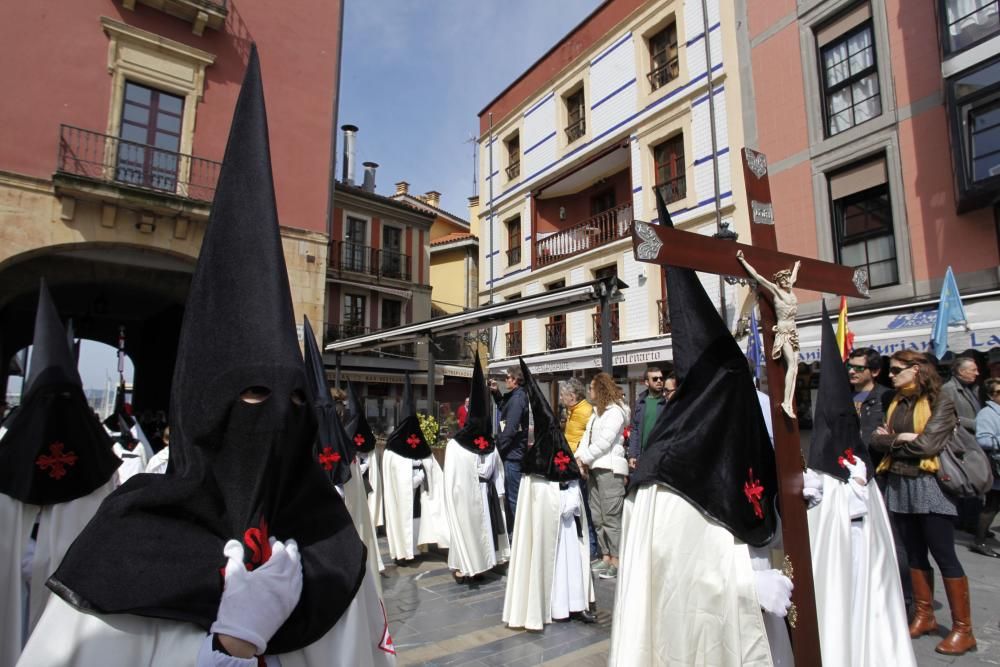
332 452
477 434
836 426
242 434
549 456
55 449
121 411
359 431
407 439
710 443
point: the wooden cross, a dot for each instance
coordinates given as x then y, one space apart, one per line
667 246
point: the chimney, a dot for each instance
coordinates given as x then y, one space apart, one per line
433 198
369 184
349 134
402 188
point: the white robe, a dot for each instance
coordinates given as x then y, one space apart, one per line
133 462
686 589
67 637
432 527
58 526
357 504
539 539
158 462
466 506
859 604
375 498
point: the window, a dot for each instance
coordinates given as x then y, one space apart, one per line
974 110
513 156
514 241
663 61
150 138
849 73
606 272
555 330
355 234
392 252
602 202
392 313
967 22
668 163
514 333
862 220
354 315
576 116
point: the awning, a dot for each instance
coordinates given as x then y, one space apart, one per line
635 352
384 377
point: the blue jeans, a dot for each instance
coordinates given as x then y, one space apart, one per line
511 483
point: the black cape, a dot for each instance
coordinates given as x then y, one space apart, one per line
332 451
710 443
550 456
477 434
240 469
836 431
407 440
55 449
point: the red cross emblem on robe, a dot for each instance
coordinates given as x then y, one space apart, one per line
413 441
561 461
754 491
359 440
56 460
481 442
328 458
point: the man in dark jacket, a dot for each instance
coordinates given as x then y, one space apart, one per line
512 438
648 407
871 399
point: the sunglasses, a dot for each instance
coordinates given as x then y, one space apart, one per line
856 368
895 370
659 379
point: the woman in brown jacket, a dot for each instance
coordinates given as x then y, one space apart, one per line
919 422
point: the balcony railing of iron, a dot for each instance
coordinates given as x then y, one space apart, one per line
664 315
664 74
513 343
513 170
603 228
615 335
514 256
345 330
555 335
576 129
673 190
357 258
106 158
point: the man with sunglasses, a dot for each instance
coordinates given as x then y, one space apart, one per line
870 398
648 407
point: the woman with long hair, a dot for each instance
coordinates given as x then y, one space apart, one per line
918 424
601 453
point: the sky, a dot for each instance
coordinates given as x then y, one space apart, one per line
415 74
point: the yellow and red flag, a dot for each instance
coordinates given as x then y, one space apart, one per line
845 337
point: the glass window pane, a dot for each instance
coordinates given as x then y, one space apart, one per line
134 133
168 142
882 274
136 93
136 114
986 167
986 142
835 64
852 255
171 103
168 123
883 247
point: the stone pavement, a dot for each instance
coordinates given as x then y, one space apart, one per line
435 621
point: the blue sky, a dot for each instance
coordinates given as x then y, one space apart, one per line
415 73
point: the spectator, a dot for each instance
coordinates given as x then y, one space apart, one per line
573 396
919 422
988 436
602 453
512 438
462 413
964 393
340 402
648 407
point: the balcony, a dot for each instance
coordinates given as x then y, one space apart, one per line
357 258
673 190
576 129
200 13
615 333
104 159
335 332
664 74
555 335
664 315
514 344
513 170
345 330
603 228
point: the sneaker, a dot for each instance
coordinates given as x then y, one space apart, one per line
599 565
611 572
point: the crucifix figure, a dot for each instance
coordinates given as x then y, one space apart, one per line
661 244
786 335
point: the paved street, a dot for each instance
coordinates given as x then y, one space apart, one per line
435 621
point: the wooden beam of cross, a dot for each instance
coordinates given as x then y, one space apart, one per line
663 245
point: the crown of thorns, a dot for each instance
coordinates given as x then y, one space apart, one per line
784 274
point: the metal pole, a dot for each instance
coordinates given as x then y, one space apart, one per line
490 213
715 148
605 328
431 410
336 374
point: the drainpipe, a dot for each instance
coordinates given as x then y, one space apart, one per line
715 148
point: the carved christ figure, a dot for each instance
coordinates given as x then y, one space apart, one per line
786 336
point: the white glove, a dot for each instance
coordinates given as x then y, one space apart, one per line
207 657
255 604
858 470
774 592
812 487
570 502
418 477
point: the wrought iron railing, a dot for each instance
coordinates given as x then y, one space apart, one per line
664 315
514 343
346 330
664 74
513 170
576 129
555 335
110 159
673 190
615 334
357 258
594 232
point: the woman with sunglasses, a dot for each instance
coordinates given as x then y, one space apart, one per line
919 423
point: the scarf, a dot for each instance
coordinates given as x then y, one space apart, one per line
921 415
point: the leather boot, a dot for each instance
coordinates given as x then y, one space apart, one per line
960 639
923 603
